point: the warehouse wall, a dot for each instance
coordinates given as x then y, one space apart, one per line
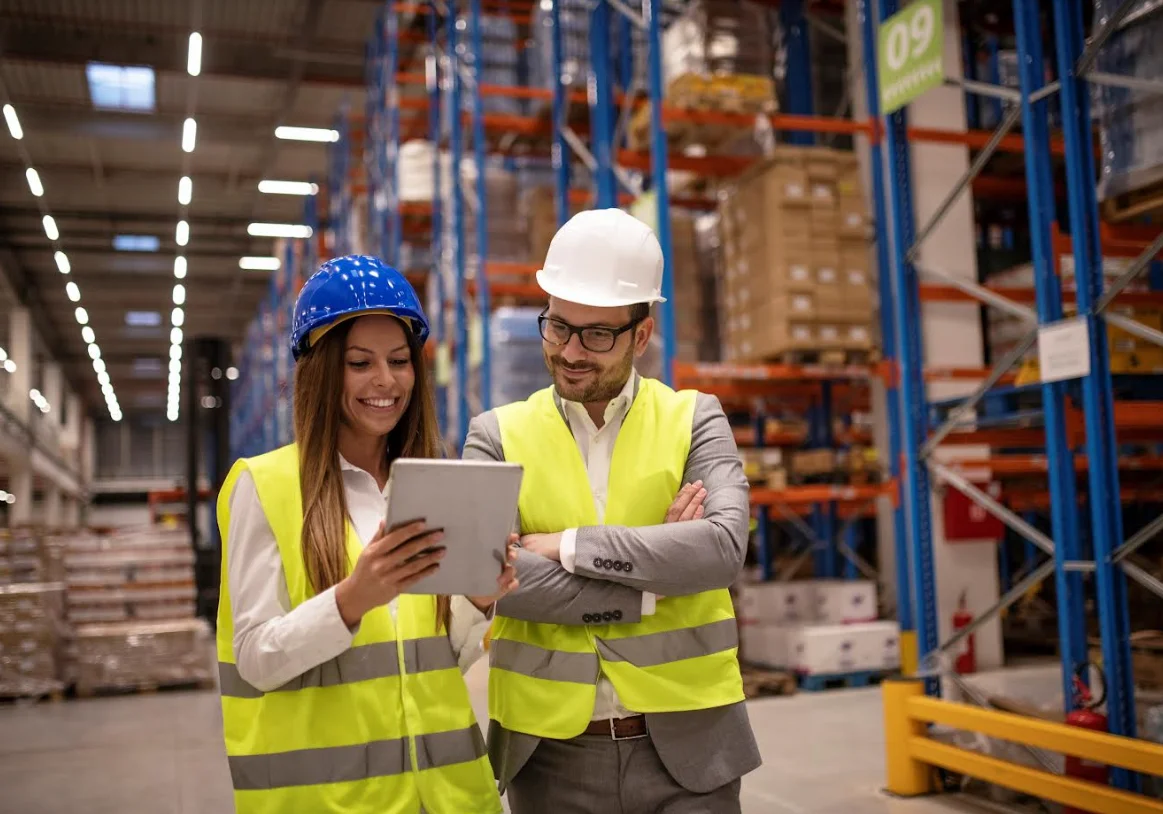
952 333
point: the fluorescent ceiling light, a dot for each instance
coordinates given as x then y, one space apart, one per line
121 87
177 317
94 351
103 377
35 395
88 335
189 135
185 190
34 183
288 187
291 230
82 316
62 262
182 233
175 336
323 134
260 263
180 267
136 243
9 365
194 59
99 364
175 352
175 367
107 389
179 294
143 319
13 123
232 373
73 292
50 228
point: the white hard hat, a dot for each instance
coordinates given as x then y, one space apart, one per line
605 258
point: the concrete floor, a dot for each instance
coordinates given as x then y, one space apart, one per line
162 754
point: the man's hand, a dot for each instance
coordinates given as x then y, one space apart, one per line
688 503
547 545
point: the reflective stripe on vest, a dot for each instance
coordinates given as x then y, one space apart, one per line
682 657
386 727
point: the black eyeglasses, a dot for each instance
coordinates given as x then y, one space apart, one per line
593 338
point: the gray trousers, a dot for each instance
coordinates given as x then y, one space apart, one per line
594 774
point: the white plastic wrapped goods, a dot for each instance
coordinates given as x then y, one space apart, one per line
769 603
838 649
844 601
518 366
766 645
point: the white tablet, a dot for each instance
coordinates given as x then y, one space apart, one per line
474 502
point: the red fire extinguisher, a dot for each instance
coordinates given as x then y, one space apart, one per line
966 661
1086 715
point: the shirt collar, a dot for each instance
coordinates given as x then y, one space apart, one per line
620 404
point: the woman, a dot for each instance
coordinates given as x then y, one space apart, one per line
340 693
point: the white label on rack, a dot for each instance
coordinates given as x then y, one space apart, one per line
1064 350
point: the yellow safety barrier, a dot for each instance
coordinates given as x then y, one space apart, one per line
911 754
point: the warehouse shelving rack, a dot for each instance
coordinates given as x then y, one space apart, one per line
1101 416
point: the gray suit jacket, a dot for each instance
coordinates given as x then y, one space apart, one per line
704 749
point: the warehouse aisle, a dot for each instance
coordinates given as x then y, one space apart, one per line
162 754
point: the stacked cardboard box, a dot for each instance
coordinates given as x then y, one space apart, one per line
28 555
130 655
727 37
797 264
32 638
816 627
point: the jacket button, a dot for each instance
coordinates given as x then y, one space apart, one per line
619 565
629 567
607 564
587 618
617 616
597 562
607 616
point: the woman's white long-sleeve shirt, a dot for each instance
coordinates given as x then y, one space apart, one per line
273 643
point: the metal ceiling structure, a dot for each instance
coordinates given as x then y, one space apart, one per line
109 172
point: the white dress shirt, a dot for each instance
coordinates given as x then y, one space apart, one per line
273 643
597 449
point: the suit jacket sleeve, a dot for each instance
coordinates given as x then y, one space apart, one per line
548 593
676 559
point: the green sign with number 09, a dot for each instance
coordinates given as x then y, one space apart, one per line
911 53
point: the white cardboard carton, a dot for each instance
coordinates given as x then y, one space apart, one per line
766 645
777 603
845 648
844 601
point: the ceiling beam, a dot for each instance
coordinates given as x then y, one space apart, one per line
75 41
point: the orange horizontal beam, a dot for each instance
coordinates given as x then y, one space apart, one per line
691 374
745 437
1018 465
1027 501
933 292
500 269
820 494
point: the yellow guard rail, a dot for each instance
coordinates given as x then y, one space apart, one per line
910 754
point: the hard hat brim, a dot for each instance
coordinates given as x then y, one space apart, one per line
569 294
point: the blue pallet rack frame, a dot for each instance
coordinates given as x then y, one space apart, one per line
1075 57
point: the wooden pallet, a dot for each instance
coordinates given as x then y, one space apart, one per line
144 688
831 357
838 681
762 682
1140 203
44 696
738 93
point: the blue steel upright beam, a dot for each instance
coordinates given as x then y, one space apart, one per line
1097 399
389 95
602 111
482 213
658 166
373 71
888 332
1060 458
800 101
914 415
562 155
439 315
456 150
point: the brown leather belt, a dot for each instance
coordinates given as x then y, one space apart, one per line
619 729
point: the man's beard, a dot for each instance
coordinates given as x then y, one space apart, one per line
605 386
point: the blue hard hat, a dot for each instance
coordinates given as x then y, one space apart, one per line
353 286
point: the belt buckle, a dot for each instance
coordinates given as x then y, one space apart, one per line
614 732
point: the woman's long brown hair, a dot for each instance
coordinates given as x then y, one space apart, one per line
318 413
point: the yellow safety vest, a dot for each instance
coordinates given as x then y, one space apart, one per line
543 679
384 728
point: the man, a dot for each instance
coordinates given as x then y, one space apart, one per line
614 681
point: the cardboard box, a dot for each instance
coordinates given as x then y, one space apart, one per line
766 645
809 462
781 603
844 601
857 337
823 194
760 335
852 218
